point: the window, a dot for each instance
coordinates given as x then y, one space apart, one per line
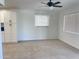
41 20
71 23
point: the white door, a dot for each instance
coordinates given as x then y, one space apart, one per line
10 27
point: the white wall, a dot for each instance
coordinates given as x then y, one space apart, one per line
26 26
70 38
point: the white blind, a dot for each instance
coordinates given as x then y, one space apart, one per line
71 23
41 20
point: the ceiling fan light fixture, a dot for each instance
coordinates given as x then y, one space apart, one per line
51 4
51 8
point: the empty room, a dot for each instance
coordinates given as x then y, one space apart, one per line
39 29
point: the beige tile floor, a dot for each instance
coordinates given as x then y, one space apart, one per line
46 49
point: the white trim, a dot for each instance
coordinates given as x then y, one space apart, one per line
64 24
72 32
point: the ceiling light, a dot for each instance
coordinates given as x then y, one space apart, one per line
51 8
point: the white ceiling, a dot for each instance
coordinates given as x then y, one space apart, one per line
36 4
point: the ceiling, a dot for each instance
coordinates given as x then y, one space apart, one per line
36 4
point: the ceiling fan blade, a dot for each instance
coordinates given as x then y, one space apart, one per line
57 2
58 6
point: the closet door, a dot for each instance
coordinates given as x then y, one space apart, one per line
10 27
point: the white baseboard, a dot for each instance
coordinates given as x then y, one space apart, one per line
36 39
71 44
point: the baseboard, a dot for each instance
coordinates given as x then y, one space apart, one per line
9 42
74 46
36 40
28 40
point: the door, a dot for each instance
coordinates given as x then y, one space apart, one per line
10 27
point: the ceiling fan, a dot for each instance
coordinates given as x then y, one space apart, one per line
52 4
